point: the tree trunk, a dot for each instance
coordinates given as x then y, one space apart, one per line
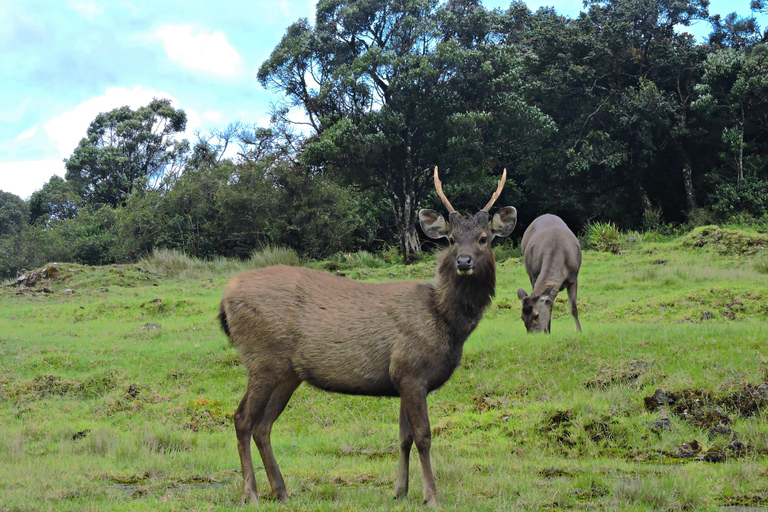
405 213
690 196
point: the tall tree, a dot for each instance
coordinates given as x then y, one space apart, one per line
14 213
734 93
618 80
55 201
125 147
393 88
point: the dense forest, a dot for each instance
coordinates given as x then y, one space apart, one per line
617 115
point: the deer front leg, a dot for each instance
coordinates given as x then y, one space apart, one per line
413 401
405 441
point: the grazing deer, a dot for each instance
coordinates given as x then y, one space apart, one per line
294 325
552 259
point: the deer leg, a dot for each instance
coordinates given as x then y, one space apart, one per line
414 403
406 441
249 411
263 429
572 303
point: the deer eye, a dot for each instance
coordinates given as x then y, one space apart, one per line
483 239
451 240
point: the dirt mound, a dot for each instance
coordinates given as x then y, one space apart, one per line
706 409
727 241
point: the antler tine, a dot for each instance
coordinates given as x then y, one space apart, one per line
496 194
439 188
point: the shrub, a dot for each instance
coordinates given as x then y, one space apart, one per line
604 237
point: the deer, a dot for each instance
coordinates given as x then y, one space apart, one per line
395 339
552 258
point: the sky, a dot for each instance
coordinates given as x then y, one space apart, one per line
64 62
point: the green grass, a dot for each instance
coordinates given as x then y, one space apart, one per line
100 411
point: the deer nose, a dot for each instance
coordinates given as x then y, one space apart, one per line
464 263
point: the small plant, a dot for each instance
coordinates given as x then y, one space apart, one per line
604 237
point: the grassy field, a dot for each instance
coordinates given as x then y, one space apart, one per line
117 391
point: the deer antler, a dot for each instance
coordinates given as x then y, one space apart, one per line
439 188
496 194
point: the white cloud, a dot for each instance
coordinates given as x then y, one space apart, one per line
199 50
67 129
212 115
90 10
27 134
24 178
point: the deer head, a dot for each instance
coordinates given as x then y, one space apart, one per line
469 237
537 309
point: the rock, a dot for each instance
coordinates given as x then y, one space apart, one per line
661 424
689 450
719 430
736 447
713 456
150 326
662 309
69 291
659 399
156 300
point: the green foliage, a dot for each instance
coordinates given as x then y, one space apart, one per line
412 91
55 201
14 213
749 197
124 149
604 237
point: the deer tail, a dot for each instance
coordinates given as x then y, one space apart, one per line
224 323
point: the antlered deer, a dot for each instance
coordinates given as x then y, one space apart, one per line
552 259
294 325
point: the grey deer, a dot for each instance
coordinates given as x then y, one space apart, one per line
552 259
294 325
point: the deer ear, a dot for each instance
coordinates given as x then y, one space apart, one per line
433 224
521 294
504 221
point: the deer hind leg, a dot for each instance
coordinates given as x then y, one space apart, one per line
247 415
572 303
414 402
263 429
406 441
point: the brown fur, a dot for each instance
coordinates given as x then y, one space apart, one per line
399 339
552 259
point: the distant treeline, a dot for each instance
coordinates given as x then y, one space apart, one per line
617 115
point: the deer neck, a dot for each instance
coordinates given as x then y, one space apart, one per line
461 300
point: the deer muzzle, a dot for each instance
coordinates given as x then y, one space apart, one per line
464 264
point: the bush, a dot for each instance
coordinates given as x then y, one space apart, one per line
270 256
750 197
604 237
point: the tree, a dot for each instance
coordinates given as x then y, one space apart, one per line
55 201
391 89
124 148
14 213
734 94
618 81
